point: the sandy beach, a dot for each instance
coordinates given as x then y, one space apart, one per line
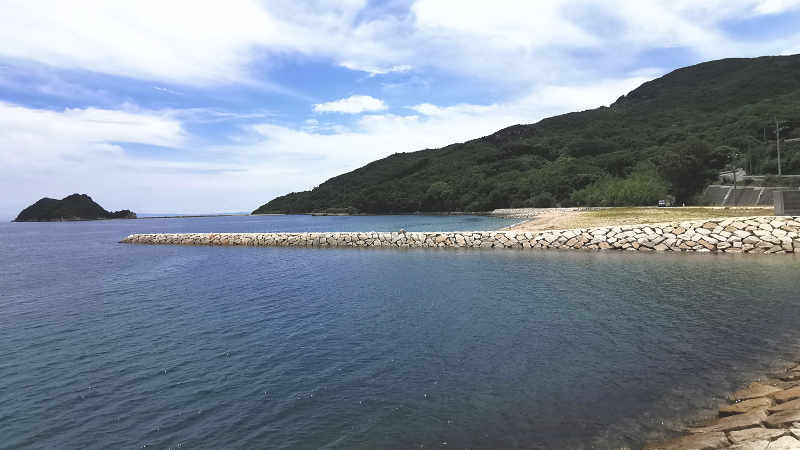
548 221
563 219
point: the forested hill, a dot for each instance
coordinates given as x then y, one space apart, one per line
668 136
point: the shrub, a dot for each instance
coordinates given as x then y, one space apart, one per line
544 200
643 187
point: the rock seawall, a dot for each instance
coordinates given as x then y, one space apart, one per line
730 235
763 416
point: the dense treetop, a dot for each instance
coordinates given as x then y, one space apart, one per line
669 136
72 207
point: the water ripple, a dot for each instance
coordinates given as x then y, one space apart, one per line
107 345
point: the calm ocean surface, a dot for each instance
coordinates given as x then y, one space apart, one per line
105 345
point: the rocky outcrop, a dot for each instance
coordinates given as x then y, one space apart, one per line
69 208
122 214
731 235
746 405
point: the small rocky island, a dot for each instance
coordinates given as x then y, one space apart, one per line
72 207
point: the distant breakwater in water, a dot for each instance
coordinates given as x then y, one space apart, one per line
766 234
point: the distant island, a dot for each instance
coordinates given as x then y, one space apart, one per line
72 207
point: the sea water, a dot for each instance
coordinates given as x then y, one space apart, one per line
107 345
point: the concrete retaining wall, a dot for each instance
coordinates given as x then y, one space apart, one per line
787 203
745 195
730 235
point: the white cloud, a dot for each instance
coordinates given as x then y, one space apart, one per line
515 40
202 44
151 39
289 159
531 43
37 136
48 83
541 103
352 105
48 153
539 49
775 6
554 100
501 24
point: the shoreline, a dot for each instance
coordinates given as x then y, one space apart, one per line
544 221
193 216
762 416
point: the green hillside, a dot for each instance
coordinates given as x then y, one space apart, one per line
668 136
72 207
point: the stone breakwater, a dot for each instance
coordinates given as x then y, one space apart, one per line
730 235
764 416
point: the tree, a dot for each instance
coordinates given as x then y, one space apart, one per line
642 187
688 166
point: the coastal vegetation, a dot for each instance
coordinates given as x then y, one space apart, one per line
72 207
670 136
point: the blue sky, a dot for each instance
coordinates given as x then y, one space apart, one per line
212 107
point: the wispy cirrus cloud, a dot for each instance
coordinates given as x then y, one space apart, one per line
215 115
169 91
375 70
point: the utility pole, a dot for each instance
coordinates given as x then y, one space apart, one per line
749 158
733 166
778 129
749 154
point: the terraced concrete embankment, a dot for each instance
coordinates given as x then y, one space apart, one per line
767 234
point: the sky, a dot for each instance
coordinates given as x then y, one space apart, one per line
218 107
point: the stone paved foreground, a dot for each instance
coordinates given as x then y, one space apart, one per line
764 234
